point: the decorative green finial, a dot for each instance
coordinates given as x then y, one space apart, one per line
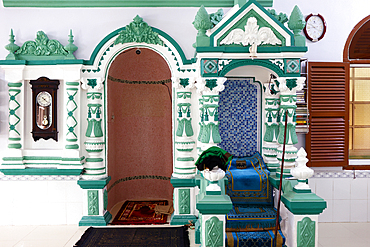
296 23
71 48
202 23
11 47
138 19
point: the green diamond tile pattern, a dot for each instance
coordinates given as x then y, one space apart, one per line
209 67
292 66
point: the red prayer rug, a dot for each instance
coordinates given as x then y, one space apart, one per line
140 213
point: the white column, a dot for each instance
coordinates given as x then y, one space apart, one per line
209 89
288 87
271 128
13 156
184 128
94 144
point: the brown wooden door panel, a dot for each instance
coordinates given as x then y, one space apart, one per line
328 103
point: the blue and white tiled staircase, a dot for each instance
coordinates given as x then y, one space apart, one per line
252 220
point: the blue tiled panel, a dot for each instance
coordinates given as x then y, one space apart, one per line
238 117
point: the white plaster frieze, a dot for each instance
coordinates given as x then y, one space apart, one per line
278 62
251 35
222 63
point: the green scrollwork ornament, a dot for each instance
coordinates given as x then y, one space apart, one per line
138 31
42 46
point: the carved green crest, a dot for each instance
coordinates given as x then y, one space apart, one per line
41 48
138 31
214 232
291 83
211 83
306 233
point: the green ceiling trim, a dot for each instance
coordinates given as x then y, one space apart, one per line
125 3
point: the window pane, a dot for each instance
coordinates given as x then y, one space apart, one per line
350 138
361 114
351 72
362 90
350 90
350 114
362 72
361 138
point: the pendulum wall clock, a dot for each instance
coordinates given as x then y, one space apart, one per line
44 108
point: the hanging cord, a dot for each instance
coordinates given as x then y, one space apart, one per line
272 76
169 92
281 181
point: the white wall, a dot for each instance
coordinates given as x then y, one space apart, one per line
90 26
42 200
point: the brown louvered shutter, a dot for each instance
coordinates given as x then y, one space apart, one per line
328 104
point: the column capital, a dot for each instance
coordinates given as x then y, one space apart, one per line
183 83
92 84
212 85
14 73
290 85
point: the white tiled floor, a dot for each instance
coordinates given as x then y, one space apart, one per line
330 235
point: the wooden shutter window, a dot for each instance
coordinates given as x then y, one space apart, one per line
328 104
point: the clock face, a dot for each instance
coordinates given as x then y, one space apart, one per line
315 27
44 98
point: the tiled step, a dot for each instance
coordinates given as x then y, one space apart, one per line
260 239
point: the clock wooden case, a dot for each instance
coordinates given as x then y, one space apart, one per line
44 108
315 27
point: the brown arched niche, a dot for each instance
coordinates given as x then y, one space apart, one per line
357 47
139 119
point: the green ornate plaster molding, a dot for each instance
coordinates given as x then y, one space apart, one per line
214 232
138 31
93 202
258 62
184 201
184 125
306 233
93 184
42 48
282 17
96 220
127 3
